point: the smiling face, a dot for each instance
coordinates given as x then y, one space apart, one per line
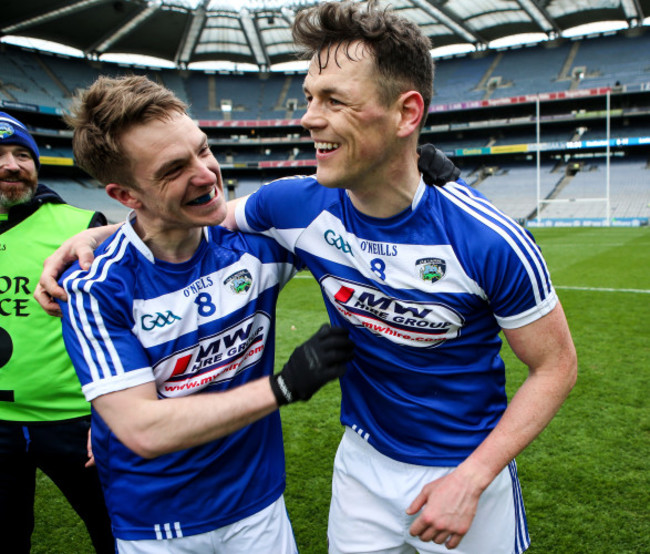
178 180
355 134
18 176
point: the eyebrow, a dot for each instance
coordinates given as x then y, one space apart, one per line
325 90
163 169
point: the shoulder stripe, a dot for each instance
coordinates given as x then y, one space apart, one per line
85 315
525 248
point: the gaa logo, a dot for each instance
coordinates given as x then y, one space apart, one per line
333 239
149 322
431 269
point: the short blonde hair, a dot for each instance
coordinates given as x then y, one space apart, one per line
105 110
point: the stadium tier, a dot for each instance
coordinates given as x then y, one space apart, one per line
490 112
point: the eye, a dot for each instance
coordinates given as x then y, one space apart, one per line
173 172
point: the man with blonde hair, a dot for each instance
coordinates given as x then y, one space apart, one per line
171 331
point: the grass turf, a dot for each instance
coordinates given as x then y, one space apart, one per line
586 479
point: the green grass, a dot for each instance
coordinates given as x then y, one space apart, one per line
586 479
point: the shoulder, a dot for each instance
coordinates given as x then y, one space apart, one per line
115 268
291 201
260 246
471 215
73 216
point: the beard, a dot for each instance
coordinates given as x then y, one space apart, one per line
15 193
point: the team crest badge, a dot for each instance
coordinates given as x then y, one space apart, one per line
6 130
431 269
239 282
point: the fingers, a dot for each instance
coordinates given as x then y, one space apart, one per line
89 448
46 301
430 533
52 268
417 504
453 541
86 256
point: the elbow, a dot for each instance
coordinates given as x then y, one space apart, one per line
144 444
572 371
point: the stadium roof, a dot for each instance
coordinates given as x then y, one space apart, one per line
258 31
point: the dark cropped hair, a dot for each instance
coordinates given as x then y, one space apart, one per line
401 51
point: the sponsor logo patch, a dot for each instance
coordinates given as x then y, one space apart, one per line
216 359
404 322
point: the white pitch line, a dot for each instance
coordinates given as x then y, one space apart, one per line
595 289
591 289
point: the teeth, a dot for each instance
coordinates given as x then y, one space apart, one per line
203 199
326 145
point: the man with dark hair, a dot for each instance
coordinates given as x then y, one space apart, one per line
44 418
425 278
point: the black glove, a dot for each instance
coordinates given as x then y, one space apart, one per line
436 168
314 363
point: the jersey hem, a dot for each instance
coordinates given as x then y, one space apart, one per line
132 534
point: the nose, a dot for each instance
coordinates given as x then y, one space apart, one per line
313 117
8 161
206 172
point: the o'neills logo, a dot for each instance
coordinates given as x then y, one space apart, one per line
404 322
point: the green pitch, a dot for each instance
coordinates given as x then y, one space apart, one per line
586 479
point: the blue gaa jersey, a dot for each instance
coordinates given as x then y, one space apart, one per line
201 326
424 294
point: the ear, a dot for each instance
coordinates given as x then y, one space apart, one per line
411 107
124 195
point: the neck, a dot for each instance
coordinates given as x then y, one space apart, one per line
175 246
390 196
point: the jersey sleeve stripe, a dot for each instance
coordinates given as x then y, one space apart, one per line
85 316
531 246
506 228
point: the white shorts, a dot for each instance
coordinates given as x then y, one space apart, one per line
269 530
371 492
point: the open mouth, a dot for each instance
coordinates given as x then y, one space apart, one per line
202 199
324 147
11 180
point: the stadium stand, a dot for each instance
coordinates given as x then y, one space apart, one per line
529 70
483 105
90 196
511 189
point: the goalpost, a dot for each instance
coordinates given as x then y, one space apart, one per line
605 199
